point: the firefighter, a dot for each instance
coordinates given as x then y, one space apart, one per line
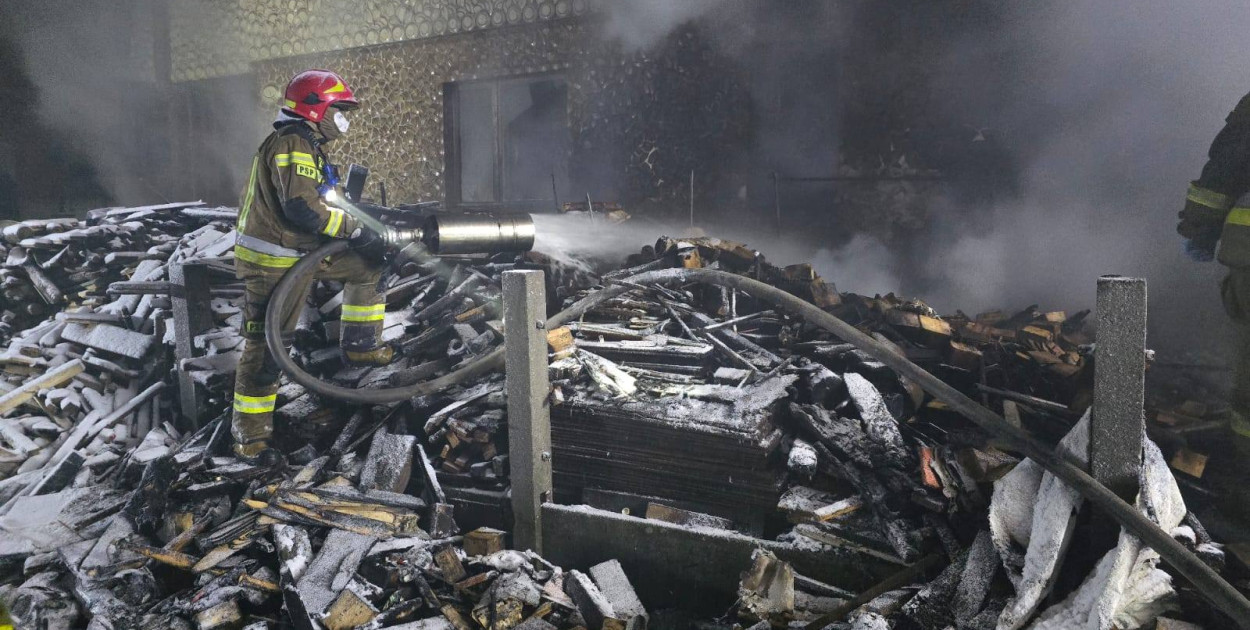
1217 210
287 209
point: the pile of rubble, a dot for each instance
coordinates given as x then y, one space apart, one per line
52 265
83 383
690 404
723 372
701 407
205 541
118 514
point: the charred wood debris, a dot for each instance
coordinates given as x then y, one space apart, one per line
690 404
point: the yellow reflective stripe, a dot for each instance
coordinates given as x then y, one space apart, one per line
1240 425
255 404
295 157
251 193
1209 198
265 247
1238 216
264 260
289 103
302 158
338 87
364 308
249 409
369 313
333 223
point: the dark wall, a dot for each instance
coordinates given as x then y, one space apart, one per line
85 103
43 172
215 126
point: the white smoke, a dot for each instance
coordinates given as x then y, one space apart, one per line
1108 108
639 24
864 266
1113 107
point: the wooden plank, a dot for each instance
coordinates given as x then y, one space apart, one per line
52 378
111 339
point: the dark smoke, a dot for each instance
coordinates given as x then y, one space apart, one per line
1102 113
1095 116
1111 110
99 86
43 170
81 60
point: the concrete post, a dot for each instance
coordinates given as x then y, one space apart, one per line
529 417
193 314
1117 426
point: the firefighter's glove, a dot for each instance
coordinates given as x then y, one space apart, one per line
368 244
1201 248
1204 212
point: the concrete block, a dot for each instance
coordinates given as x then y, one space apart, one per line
615 586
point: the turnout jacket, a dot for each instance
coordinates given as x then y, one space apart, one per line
281 213
1218 199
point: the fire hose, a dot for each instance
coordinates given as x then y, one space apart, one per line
1209 583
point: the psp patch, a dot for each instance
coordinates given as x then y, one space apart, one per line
303 170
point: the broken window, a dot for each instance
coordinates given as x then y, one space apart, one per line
507 141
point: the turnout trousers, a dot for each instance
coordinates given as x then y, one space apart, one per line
1235 293
256 379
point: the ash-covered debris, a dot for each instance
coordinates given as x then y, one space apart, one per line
55 265
689 404
217 543
116 513
86 383
854 456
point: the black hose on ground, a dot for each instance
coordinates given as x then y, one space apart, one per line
387 395
1209 583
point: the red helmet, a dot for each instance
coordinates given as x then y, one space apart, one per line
312 91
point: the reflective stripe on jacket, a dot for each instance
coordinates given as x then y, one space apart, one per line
263 253
1235 238
281 211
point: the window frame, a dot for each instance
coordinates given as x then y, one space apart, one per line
453 151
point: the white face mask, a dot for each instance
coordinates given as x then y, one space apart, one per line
340 121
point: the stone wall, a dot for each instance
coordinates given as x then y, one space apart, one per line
211 38
640 122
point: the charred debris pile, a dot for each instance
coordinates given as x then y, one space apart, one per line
116 513
689 404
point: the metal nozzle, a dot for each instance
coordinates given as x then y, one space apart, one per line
479 233
398 238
